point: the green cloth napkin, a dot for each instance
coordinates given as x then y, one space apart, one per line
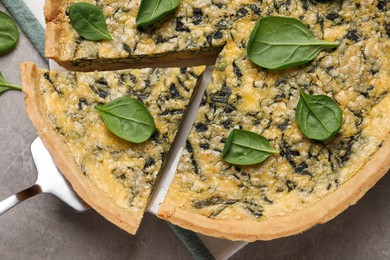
28 23
196 247
35 32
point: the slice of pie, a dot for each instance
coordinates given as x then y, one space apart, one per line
309 182
113 176
197 29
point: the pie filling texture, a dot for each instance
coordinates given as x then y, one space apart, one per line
309 182
125 172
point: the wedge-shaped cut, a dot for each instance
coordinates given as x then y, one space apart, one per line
309 182
113 176
197 29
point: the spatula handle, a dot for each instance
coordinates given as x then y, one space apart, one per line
14 200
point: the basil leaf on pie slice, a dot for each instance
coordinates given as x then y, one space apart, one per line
151 11
88 20
246 148
279 42
319 117
128 118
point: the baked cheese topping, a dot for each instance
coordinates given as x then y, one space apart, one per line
197 27
126 172
241 95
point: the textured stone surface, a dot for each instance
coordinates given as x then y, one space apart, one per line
45 228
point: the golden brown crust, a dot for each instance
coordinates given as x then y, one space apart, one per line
52 48
299 221
53 16
58 150
51 9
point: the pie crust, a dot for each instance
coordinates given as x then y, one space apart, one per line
322 211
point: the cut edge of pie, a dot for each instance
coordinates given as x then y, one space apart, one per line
58 150
276 227
54 14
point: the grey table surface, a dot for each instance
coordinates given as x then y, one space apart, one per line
45 228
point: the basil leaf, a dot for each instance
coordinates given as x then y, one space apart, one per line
9 34
281 42
128 119
246 148
150 11
4 85
88 20
319 117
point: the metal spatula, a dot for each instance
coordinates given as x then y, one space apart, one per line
50 180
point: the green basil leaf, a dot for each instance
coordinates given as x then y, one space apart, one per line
151 11
246 148
9 34
128 119
319 117
88 20
281 42
4 85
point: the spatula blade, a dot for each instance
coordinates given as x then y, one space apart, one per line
50 178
